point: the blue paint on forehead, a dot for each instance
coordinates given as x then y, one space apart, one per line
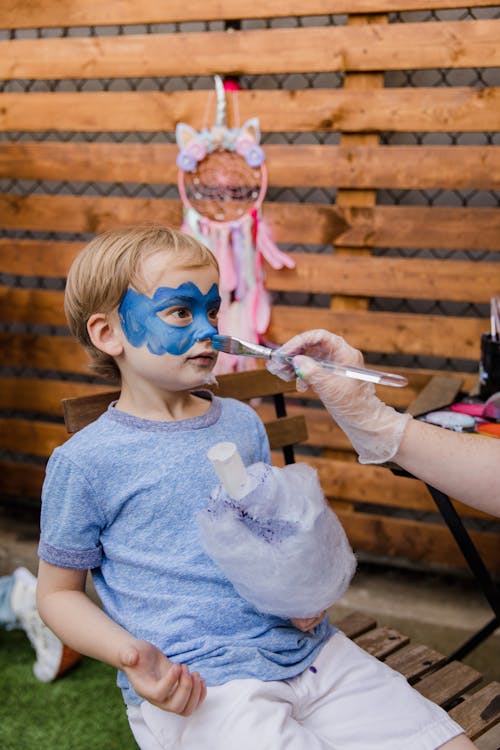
142 325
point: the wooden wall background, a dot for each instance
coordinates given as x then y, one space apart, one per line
380 122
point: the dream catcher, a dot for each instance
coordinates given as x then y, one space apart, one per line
222 184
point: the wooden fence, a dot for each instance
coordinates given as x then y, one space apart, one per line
428 255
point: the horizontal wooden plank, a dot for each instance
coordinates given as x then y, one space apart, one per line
21 479
63 354
319 274
17 14
389 332
80 411
431 335
52 353
355 624
421 226
43 258
344 480
44 307
451 228
251 384
388 277
45 394
382 641
349 481
428 335
396 167
286 431
448 682
414 661
414 540
31 437
42 396
479 711
367 47
410 110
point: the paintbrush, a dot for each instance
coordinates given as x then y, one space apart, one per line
232 345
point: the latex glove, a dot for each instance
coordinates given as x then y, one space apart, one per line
374 429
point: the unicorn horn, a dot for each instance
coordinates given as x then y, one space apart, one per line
220 112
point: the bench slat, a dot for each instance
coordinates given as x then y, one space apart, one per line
355 624
382 641
448 683
480 711
414 661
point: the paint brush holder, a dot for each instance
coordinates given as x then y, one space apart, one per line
489 366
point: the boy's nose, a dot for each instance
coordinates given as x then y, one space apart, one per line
206 331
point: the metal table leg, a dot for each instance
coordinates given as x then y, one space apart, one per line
477 566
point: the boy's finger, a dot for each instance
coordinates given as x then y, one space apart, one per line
168 684
195 697
178 700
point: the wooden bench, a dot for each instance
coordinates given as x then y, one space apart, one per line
69 100
459 689
473 702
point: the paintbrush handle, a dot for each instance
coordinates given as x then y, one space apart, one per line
359 373
232 345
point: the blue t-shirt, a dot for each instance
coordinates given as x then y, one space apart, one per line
121 498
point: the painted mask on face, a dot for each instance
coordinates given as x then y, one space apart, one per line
142 324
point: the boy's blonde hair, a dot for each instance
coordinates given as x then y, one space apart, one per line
110 264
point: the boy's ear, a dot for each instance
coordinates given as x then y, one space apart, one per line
105 334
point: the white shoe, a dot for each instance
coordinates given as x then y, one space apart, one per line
53 658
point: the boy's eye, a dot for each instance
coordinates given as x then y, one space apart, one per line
213 314
177 315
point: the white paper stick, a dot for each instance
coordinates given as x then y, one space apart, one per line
229 467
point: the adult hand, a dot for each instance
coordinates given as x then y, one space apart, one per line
374 429
161 682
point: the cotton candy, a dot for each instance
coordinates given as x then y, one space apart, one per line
281 546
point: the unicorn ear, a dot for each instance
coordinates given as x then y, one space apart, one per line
252 128
184 134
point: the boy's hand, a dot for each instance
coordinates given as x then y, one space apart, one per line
161 682
308 623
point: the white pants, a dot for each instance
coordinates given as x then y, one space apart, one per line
349 701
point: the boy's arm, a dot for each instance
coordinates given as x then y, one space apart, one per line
80 623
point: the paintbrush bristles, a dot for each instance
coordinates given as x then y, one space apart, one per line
232 345
225 344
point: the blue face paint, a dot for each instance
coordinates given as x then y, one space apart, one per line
142 324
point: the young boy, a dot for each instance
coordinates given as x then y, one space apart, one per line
198 666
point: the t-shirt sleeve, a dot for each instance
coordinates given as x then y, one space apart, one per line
71 519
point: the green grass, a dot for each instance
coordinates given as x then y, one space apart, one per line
82 710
